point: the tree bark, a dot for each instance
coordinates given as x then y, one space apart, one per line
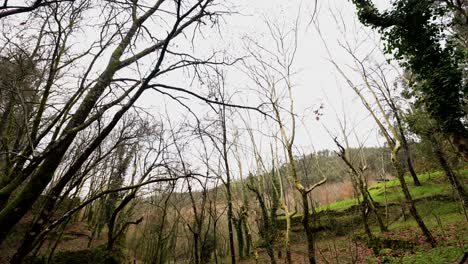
287 238
409 200
404 144
228 189
240 236
308 229
111 237
16 209
452 178
266 229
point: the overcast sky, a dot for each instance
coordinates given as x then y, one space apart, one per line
316 81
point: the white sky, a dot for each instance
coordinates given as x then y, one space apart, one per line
317 82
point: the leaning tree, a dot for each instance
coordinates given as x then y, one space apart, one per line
429 38
84 65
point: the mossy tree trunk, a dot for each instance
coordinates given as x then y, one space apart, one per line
409 199
404 142
357 177
389 131
308 228
51 137
266 230
449 173
239 225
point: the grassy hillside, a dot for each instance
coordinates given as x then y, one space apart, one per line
433 184
342 239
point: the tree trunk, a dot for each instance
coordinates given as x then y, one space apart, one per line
308 229
412 172
111 224
364 206
271 253
358 181
452 178
409 200
460 140
248 245
250 242
404 144
287 239
196 238
265 230
240 236
18 207
229 216
374 209
409 162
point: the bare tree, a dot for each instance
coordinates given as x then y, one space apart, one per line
7 9
391 134
266 188
224 151
275 81
62 112
375 103
357 166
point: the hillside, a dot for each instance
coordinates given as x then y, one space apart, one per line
233 131
342 239
338 227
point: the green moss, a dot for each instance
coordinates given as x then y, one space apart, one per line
338 206
434 186
433 183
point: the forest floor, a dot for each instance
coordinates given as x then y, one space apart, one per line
343 239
